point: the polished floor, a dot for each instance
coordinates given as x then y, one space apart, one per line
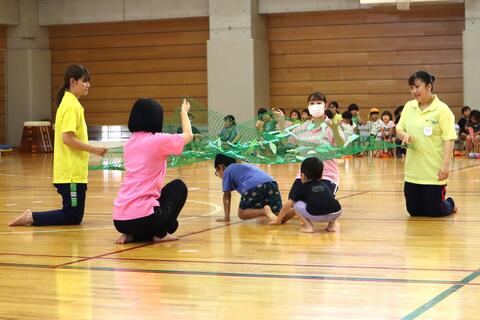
381 264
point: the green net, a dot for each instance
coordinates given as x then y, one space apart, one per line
258 141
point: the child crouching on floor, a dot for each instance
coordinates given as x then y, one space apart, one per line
258 190
312 200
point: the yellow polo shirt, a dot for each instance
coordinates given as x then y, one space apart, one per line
429 128
69 164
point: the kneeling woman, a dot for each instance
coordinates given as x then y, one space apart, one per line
145 209
427 125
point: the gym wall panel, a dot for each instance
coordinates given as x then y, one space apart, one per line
163 59
365 56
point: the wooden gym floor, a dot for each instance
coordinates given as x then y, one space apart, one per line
382 264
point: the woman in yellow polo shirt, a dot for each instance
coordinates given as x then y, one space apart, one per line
70 155
427 128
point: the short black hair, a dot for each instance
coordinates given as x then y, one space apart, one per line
146 115
423 76
388 113
261 111
475 114
317 96
334 104
223 159
347 115
329 114
465 108
312 168
230 118
306 111
352 107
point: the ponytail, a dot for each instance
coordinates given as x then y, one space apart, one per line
76 72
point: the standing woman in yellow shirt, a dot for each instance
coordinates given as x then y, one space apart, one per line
427 128
70 155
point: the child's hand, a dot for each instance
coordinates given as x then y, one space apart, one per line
99 151
275 222
185 106
407 139
223 220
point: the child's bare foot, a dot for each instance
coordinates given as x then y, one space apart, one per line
276 221
307 229
331 227
124 238
168 237
455 209
25 219
269 214
307 226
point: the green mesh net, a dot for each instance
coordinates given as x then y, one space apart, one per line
255 142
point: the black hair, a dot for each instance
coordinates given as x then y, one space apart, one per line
74 71
261 111
423 76
329 114
475 114
352 107
307 111
221 159
388 113
347 115
465 108
295 111
230 118
317 96
334 103
146 115
312 168
398 112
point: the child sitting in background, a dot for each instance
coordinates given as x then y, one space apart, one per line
373 125
312 200
258 190
305 115
229 133
347 125
473 129
295 117
265 122
356 119
386 130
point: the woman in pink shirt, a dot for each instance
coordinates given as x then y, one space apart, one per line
145 209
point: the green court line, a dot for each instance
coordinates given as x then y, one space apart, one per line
441 296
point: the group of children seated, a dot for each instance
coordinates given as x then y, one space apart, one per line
377 128
469 132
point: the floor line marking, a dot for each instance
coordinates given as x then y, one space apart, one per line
442 296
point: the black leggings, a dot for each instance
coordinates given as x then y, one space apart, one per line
427 200
164 217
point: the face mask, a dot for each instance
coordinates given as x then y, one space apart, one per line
317 110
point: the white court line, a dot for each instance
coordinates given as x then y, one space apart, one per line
217 208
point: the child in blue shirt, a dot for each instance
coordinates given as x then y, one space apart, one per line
258 190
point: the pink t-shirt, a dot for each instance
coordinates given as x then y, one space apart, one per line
145 164
330 168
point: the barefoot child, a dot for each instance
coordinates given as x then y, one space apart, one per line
258 190
145 209
312 201
70 155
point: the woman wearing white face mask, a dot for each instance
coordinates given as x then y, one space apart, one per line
319 130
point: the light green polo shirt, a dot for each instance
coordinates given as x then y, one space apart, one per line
429 128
